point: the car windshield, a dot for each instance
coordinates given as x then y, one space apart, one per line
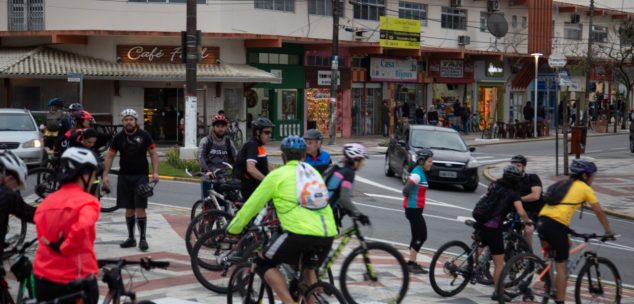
16 122
438 140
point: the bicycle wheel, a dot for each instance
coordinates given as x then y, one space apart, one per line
522 277
5 296
456 268
16 232
213 261
484 271
107 199
248 287
40 182
598 282
322 292
202 224
369 275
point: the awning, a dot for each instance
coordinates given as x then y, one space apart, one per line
46 62
526 74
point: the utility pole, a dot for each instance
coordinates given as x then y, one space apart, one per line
588 62
191 100
334 69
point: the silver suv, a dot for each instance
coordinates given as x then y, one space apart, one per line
20 134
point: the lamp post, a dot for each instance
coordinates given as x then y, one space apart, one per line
536 55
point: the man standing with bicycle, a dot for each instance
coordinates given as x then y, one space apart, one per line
214 149
133 144
252 163
530 187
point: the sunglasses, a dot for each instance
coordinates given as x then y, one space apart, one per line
267 132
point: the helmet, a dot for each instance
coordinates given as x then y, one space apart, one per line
293 143
261 123
218 119
145 190
11 162
313 134
78 159
56 101
83 115
75 107
580 166
355 151
129 112
512 174
423 154
519 159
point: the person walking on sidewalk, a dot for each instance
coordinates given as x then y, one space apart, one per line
133 144
215 149
414 193
530 187
385 118
66 229
252 162
316 157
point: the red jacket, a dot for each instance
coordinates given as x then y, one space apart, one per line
74 213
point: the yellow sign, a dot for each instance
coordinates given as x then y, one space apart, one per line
399 33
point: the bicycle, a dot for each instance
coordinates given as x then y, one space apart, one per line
214 199
113 278
235 133
529 276
22 269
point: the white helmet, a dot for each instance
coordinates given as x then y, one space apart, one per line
129 112
11 162
355 151
78 158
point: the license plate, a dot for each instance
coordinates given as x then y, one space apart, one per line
448 174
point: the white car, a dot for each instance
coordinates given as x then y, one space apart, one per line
19 133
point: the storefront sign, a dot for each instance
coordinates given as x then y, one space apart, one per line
323 78
388 69
454 71
162 54
494 69
399 33
450 68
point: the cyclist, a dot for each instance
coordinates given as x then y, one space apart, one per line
12 176
83 121
57 122
414 193
253 164
306 232
133 145
314 155
66 228
554 220
215 149
531 194
505 193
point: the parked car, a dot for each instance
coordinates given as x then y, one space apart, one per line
19 132
632 137
452 162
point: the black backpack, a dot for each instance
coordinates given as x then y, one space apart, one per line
557 191
240 165
491 204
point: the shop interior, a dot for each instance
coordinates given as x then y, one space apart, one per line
162 110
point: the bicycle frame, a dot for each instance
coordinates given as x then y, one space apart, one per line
551 261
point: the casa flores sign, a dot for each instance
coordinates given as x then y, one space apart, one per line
162 54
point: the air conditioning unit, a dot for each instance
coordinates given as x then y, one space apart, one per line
493 5
456 3
575 18
464 40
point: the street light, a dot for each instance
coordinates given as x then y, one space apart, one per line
536 55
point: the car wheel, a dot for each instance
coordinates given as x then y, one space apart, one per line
471 187
405 174
632 145
386 168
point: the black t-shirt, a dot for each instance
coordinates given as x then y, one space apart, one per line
133 149
252 151
506 202
529 181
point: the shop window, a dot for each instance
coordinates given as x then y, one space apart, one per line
484 16
599 34
412 10
454 18
288 105
369 9
276 5
320 7
323 61
272 58
572 31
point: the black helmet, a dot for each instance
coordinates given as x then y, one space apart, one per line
313 134
519 159
580 166
145 190
512 174
75 107
423 154
261 123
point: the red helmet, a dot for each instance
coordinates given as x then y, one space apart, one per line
83 115
218 118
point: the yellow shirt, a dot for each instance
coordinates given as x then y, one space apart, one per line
578 194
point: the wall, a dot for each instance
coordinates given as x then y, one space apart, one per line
579 48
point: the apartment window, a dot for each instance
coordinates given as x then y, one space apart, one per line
276 5
360 62
322 61
484 16
514 21
524 22
272 58
454 18
320 7
572 31
369 9
599 34
410 10
26 15
167 1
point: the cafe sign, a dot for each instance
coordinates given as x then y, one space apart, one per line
162 54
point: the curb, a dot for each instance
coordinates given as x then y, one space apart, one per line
475 144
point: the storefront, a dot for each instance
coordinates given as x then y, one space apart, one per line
490 102
367 98
453 82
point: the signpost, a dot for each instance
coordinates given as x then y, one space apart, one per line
399 33
558 61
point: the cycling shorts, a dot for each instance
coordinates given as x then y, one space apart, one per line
556 234
288 247
127 196
494 238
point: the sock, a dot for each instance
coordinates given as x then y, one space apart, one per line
129 221
142 222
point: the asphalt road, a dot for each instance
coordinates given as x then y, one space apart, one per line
380 198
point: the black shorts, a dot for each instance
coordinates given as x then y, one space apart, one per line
287 248
556 234
534 216
494 238
127 197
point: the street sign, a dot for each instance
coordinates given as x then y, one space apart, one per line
75 77
557 60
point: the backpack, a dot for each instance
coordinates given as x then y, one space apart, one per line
240 165
557 191
227 143
311 189
54 120
490 205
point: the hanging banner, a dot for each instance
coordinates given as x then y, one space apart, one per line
390 69
399 33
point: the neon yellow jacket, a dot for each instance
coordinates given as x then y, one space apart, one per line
280 186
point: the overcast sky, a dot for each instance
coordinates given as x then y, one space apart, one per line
626 5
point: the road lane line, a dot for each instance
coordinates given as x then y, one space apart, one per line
428 202
375 184
400 210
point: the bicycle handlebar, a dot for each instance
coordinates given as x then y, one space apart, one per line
145 263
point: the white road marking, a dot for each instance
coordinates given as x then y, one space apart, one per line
428 201
400 210
375 184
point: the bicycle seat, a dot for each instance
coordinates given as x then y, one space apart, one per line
230 186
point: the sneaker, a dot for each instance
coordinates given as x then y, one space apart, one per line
494 297
129 243
143 245
415 268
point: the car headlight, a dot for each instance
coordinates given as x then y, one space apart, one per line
34 143
473 163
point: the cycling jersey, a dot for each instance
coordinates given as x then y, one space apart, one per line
73 213
416 197
319 162
579 193
342 177
280 187
11 203
214 151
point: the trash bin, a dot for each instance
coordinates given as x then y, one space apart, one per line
578 140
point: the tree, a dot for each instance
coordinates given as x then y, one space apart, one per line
620 51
